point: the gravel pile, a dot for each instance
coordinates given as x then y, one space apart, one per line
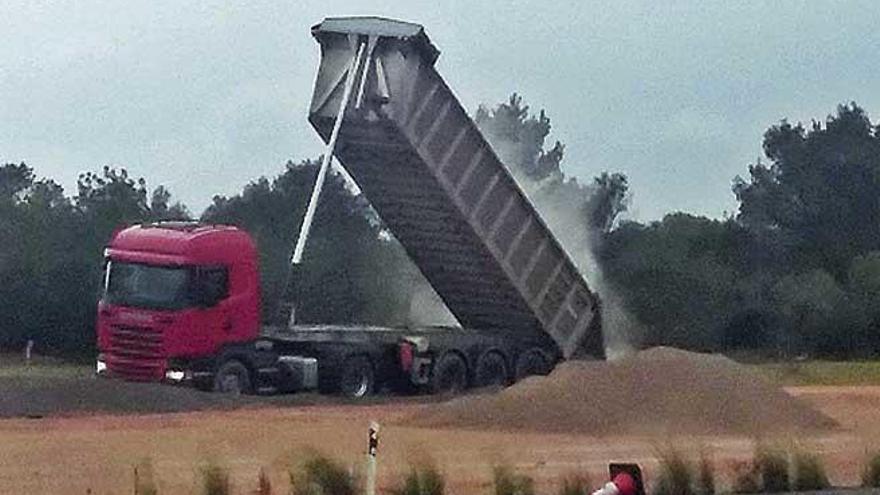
658 391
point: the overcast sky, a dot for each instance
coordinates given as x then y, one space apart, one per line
203 97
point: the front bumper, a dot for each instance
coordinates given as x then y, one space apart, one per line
131 369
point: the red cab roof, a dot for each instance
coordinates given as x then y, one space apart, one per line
182 243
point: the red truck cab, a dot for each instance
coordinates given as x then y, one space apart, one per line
175 290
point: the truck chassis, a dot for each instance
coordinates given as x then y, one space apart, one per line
357 361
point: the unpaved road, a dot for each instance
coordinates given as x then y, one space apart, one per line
70 455
45 396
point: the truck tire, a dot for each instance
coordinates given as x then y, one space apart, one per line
356 380
491 370
531 362
449 375
232 377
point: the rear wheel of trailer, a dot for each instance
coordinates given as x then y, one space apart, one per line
449 375
356 378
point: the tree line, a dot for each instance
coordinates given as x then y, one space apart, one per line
795 271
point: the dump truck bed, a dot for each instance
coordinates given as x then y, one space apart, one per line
434 180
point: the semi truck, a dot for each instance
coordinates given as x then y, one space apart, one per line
181 301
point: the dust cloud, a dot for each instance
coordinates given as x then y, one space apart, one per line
563 210
426 308
565 207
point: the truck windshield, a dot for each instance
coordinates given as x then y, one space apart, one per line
147 286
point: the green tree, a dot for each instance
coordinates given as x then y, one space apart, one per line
863 311
51 262
678 277
810 303
349 272
38 228
162 209
111 199
608 198
519 137
819 197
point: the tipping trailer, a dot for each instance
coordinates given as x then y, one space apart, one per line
181 300
442 191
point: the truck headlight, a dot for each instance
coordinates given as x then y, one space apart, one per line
175 375
100 366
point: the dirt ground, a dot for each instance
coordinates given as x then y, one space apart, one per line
97 453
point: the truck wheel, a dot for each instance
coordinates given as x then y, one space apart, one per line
357 378
449 375
531 362
491 371
232 378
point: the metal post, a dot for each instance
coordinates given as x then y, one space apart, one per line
372 450
328 156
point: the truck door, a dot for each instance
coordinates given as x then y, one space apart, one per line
212 292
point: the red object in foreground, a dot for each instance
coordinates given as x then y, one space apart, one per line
406 356
625 483
626 479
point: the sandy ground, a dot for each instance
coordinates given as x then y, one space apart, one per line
76 454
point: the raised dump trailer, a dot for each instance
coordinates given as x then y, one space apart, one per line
442 191
181 301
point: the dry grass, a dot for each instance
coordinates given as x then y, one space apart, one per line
747 479
803 373
574 484
871 471
15 366
215 480
771 463
508 482
675 474
423 479
774 469
144 483
809 472
705 475
99 452
264 485
322 475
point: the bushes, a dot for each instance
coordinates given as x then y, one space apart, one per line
772 467
143 479
321 475
421 480
706 476
507 482
676 475
215 480
264 486
575 484
746 478
809 473
871 472
778 470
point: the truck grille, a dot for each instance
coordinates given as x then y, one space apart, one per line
136 353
